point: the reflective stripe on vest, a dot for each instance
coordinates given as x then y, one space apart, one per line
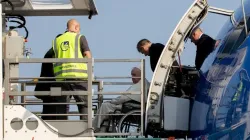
69 69
238 91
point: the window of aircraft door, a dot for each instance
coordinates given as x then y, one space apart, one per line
232 40
236 38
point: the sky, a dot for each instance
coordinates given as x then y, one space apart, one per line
115 31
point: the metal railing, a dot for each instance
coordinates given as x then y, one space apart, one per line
25 101
27 81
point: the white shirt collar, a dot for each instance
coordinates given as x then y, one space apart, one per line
200 35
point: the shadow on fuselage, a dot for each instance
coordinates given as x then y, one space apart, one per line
222 95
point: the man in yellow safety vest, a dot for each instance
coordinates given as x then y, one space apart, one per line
72 44
237 99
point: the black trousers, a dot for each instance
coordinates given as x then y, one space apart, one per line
54 109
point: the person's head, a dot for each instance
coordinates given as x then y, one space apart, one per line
136 74
195 35
143 46
73 26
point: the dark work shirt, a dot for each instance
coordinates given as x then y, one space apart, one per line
205 45
83 45
155 52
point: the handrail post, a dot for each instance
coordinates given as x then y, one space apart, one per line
1 80
100 97
6 81
90 113
23 88
142 94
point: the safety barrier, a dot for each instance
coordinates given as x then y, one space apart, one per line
58 127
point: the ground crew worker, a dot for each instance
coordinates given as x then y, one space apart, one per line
153 50
72 44
237 99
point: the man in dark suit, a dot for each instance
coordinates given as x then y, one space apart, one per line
205 45
153 50
47 71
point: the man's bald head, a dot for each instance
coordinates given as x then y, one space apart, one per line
136 72
73 26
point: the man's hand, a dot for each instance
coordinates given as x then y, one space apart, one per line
87 54
217 43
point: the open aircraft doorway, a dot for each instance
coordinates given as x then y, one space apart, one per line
206 111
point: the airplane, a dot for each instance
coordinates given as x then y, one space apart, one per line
219 105
182 103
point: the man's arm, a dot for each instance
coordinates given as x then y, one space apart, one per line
46 71
47 68
85 47
205 46
198 61
120 100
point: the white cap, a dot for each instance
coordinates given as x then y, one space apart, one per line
138 66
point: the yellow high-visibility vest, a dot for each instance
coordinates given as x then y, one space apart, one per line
68 46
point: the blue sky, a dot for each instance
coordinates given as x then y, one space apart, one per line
115 32
118 27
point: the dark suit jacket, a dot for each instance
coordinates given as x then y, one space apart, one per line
205 45
155 52
46 71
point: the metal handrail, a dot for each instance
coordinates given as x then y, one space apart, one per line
46 93
23 81
66 60
71 100
96 77
117 114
